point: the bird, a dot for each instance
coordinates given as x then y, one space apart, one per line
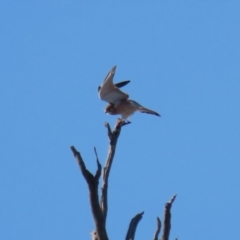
119 102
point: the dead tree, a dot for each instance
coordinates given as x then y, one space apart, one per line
99 206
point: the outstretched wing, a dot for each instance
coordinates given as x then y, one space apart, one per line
142 109
109 92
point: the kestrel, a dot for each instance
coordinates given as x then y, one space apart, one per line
118 100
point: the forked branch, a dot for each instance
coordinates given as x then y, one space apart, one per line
93 181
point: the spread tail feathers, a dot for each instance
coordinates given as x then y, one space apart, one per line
148 111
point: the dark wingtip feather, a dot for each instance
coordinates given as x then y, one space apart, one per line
121 84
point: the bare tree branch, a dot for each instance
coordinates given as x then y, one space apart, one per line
113 137
133 226
93 182
167 219
100 208
158 229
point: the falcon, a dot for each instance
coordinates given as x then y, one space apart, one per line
119 102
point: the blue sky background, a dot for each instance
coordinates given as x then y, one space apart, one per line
183 60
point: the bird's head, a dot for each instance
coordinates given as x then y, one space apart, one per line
110 109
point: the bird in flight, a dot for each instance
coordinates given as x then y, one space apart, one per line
119 102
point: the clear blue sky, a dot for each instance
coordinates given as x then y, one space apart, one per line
183 60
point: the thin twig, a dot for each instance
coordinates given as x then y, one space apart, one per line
167 219
133 226
109 130
158 229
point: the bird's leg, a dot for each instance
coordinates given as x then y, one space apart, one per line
123 122
127 121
